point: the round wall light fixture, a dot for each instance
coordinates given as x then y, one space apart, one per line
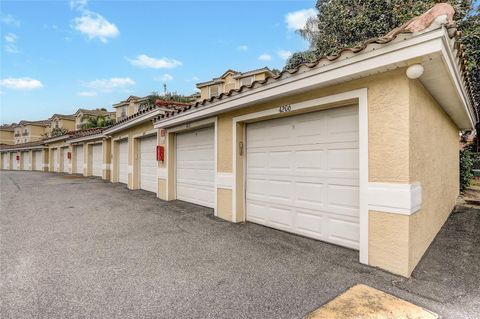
415 71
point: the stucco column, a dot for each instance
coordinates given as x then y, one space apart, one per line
107 158
162 165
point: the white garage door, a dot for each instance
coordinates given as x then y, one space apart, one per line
37 160
148 164
5 163
78 159
97 160
303 175
55 160
123 161
26 161
195 167
65 160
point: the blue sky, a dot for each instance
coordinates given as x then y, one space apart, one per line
57 56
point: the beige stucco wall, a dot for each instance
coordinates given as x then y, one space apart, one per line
6 137
403 121
434 162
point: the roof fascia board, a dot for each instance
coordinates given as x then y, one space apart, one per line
85 138
421 45
455 74
138 120
23 148
56 139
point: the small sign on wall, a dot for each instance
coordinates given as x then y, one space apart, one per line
163 134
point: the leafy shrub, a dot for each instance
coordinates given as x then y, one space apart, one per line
466 166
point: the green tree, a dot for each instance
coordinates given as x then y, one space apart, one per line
97 121
58 131
347 23
169 96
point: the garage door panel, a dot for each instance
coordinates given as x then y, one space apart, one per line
97 160
307 180
148 164
79 159
123 162
195 174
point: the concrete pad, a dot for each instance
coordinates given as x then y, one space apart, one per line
362 301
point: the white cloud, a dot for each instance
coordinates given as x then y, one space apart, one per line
78 4
87 94
10 45
284 54
108 85
93 25
21 83
242 47
296 20
164 78
144 61
10 37
265 57
8 19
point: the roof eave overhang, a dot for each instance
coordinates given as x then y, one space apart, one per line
85 138
400 52
134 122
56 139
38 147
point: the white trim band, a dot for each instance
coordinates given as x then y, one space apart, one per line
162 172
404 199
224 180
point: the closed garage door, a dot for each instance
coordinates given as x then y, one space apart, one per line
195 167
78 159
37 161
55 160
97 160
148 164
123 161
65 160
26 161
5 163
303 175
16 163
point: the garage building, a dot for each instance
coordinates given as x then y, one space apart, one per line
338 150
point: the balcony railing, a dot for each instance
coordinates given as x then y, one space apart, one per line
24 133
17 134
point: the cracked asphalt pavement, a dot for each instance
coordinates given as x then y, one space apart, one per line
74 247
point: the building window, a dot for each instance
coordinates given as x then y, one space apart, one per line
25 140
124 112
246 81
56 124
214 90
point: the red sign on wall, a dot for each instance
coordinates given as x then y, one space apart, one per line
69 155
18 157
160 153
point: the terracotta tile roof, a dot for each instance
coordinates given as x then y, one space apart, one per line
39 123
159 104
94 112
236 75
415 25
86 132
63 116
8 127
21 146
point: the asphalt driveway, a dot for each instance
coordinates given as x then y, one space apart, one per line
75 247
